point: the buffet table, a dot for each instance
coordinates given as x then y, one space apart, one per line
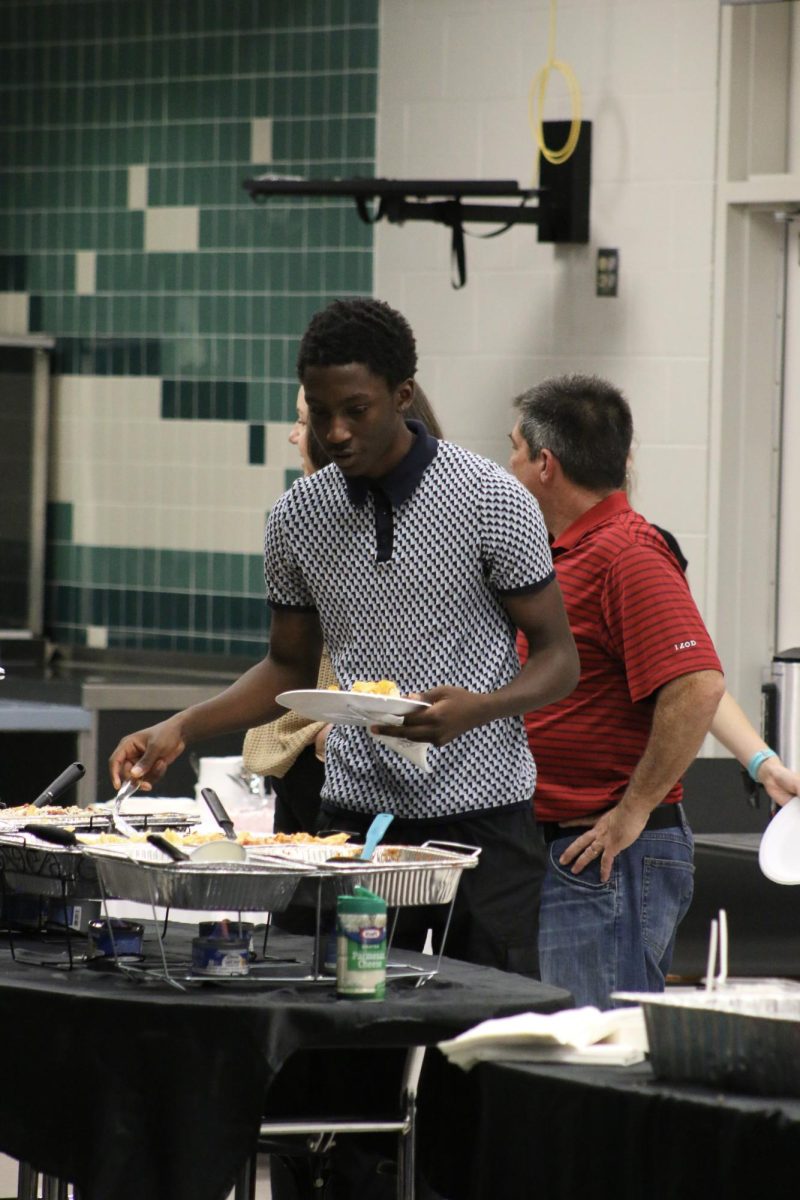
614 1133
135 1089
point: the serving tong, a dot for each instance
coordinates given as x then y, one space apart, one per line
122 826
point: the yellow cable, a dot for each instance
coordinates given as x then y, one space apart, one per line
538 91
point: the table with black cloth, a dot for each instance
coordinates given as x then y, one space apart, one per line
612 1133
135 1090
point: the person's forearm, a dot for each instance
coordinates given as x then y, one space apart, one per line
731 727
246 703
682 716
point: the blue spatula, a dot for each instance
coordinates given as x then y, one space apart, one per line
377 829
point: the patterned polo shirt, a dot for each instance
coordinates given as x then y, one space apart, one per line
637 628
407 575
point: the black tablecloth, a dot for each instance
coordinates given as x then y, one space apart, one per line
137 1090
615 1133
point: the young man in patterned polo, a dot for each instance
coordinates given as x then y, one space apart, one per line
612 753
414 560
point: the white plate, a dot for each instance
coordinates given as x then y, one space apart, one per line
349 708
779 851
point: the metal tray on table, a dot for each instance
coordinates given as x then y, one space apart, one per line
41 868
142 875
743 1035
33 865
404 876
87 821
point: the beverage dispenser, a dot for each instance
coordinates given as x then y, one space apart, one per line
781 707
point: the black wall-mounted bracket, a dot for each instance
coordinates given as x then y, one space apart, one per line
561 209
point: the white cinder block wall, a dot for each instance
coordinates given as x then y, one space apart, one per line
454 80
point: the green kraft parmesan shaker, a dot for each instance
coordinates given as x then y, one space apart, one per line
361 945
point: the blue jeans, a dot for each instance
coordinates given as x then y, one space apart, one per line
597 938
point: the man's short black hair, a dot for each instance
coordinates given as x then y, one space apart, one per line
586 422
360 330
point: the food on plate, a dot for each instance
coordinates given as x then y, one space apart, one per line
383 687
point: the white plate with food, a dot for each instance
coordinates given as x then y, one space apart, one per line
350 708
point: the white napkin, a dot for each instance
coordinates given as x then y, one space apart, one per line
415 752
577 1035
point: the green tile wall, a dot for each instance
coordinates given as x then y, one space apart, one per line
88 89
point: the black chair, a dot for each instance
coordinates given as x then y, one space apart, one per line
320 1134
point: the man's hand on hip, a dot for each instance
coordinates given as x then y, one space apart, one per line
613 832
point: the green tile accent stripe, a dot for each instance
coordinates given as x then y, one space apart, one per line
13 272
224 400
90 90
257 455
59 522
206 603
105 356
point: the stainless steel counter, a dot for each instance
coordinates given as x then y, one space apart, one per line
19 715
100 699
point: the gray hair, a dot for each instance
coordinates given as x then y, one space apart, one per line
585 422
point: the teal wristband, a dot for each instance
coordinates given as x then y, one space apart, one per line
758 758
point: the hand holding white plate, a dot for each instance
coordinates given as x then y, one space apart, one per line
779 851
349 708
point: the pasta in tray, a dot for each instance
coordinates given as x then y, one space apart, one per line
244 838
46 810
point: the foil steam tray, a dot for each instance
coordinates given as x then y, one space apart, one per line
743 1036
99 821
404 876
250 886
42 869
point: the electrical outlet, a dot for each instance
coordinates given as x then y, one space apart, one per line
607 272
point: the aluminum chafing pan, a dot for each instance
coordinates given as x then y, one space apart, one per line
253 886
38 867
743 1036
98 822
404 876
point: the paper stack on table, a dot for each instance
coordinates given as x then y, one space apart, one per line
576 1035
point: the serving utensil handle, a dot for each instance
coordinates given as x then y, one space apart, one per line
219 813
166 847
52 833
60 784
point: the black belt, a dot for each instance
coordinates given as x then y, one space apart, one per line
666 816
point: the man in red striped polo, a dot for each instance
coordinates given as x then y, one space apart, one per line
611 755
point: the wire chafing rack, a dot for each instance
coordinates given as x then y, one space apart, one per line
402 875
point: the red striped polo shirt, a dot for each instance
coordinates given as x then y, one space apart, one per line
636 627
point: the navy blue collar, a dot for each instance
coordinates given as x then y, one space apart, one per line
399 483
